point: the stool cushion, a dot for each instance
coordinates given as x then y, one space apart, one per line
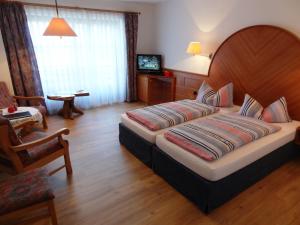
24 190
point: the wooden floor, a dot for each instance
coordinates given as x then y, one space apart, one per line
111 187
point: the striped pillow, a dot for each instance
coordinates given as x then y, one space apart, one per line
222 98
204 93
251 107
277 112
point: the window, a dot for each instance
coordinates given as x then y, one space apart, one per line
95 61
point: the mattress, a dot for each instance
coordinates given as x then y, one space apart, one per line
233 161
151 135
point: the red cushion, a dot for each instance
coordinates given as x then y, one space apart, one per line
24 190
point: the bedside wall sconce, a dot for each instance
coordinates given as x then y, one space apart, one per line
195 48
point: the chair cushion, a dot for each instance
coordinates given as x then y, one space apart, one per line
5 98
38 152
24 190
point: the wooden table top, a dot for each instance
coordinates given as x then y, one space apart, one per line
68 97
61 97
82 93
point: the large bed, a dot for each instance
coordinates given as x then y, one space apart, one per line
263 61
140 141
210 184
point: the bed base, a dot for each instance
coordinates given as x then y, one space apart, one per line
138 146
208 195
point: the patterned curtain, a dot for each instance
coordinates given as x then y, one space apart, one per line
131 26
19 50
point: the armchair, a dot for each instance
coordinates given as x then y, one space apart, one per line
34 150
6 99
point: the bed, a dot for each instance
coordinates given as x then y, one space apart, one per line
210 184
274 72
140 141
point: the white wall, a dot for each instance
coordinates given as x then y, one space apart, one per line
146 26
211 22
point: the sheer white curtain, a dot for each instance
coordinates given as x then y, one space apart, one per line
95 61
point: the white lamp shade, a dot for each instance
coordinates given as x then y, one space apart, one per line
59 27
194 48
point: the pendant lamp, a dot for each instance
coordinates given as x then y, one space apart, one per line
59 26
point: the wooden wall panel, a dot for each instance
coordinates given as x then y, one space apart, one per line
263 61
187 84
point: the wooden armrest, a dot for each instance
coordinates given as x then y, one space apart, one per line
33 98
25 124
27 146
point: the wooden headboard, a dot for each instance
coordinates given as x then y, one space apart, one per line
262 60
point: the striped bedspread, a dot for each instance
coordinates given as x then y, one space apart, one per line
216 136
169 114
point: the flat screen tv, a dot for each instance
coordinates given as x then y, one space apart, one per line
147 63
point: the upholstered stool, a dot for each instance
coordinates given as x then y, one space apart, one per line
25 193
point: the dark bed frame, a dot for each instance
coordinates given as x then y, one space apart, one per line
208 195
138 146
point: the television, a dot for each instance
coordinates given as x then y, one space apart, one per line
151 64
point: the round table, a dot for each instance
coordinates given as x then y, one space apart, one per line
69 107
35 116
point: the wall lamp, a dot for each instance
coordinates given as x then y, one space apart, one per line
195 48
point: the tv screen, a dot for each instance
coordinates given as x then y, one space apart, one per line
149 63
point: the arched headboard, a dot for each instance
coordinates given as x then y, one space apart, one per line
263 61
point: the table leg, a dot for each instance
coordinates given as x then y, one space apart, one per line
71 107
77 110
67 109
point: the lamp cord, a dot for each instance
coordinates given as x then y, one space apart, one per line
56 6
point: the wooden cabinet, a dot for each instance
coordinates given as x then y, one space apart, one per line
153 89
142 87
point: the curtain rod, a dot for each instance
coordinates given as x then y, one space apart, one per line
78 8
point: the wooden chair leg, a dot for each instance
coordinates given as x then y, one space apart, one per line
45 125
52 212
68 161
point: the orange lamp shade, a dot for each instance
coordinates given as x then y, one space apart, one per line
59 27
194 48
